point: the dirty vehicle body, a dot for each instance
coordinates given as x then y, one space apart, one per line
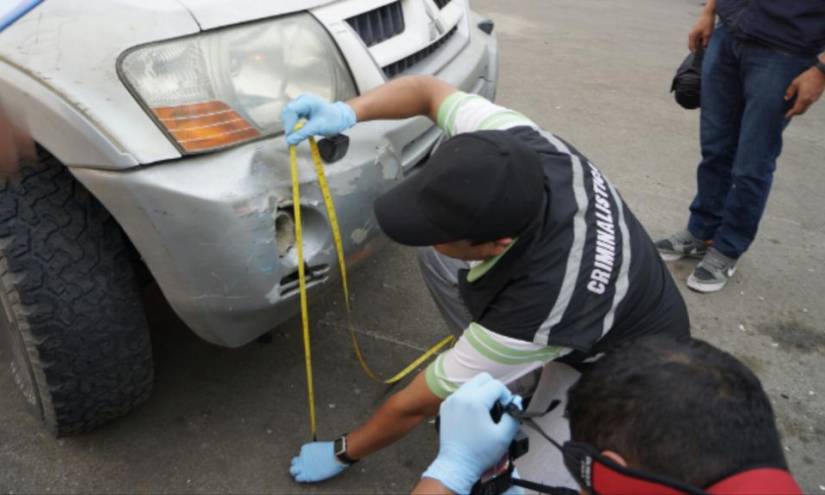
158 127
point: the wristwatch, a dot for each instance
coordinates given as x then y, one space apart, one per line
340 447
820 65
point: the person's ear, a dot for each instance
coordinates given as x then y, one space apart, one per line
497 247
614 457
503 242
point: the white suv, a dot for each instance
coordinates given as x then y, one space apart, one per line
160 145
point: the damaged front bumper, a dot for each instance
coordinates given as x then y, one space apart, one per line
216 230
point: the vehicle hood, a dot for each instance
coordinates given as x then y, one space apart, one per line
216 13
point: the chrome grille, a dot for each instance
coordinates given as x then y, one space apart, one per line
379 24
405 63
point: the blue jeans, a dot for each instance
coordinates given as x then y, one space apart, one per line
743 116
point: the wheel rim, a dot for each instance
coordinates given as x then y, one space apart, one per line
12 343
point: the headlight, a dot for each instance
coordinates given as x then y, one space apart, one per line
221 88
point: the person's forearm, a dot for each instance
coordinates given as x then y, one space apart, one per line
402 98
388 424
395 418
429 486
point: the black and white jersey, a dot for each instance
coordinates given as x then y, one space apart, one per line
588 272
584 277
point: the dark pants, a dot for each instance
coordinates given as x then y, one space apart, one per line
743 116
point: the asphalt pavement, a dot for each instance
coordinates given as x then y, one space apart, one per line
597 73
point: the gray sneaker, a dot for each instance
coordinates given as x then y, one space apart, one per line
712 273
680 245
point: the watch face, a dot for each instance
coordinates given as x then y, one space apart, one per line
340 446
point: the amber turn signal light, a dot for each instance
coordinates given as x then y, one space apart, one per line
205 125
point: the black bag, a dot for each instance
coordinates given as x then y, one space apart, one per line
687 84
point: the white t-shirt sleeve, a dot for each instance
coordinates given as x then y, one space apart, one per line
480 350
465 112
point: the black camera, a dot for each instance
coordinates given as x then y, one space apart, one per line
500 477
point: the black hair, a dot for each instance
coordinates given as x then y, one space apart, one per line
679 408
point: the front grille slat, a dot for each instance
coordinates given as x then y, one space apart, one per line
379 24
397 16
405 63
370 39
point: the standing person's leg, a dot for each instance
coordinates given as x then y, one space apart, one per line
441 276
722 103
766 75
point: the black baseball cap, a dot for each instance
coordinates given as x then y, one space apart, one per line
479 186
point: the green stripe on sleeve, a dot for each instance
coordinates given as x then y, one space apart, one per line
436 381
479 338
453 115
504 119
448 110
447 107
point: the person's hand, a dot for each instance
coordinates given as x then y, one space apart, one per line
807 88
323 118
469 441
316 462
700 34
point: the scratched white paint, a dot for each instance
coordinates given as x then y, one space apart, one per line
390 165
274 295
358 236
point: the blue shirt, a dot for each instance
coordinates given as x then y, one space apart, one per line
796 26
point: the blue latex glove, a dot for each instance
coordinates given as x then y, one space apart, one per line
469 441
316 462
322 117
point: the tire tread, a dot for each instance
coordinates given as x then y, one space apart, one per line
67 271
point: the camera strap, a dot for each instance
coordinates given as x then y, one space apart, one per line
601 475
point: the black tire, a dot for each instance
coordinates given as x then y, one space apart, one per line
71 316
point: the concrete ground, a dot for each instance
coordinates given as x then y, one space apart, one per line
595 72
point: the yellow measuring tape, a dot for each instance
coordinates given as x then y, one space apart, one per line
336 236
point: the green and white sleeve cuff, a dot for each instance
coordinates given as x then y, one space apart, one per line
479 350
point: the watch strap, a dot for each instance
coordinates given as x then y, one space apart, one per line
820 65
341 450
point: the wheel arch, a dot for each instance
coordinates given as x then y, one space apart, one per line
49 118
